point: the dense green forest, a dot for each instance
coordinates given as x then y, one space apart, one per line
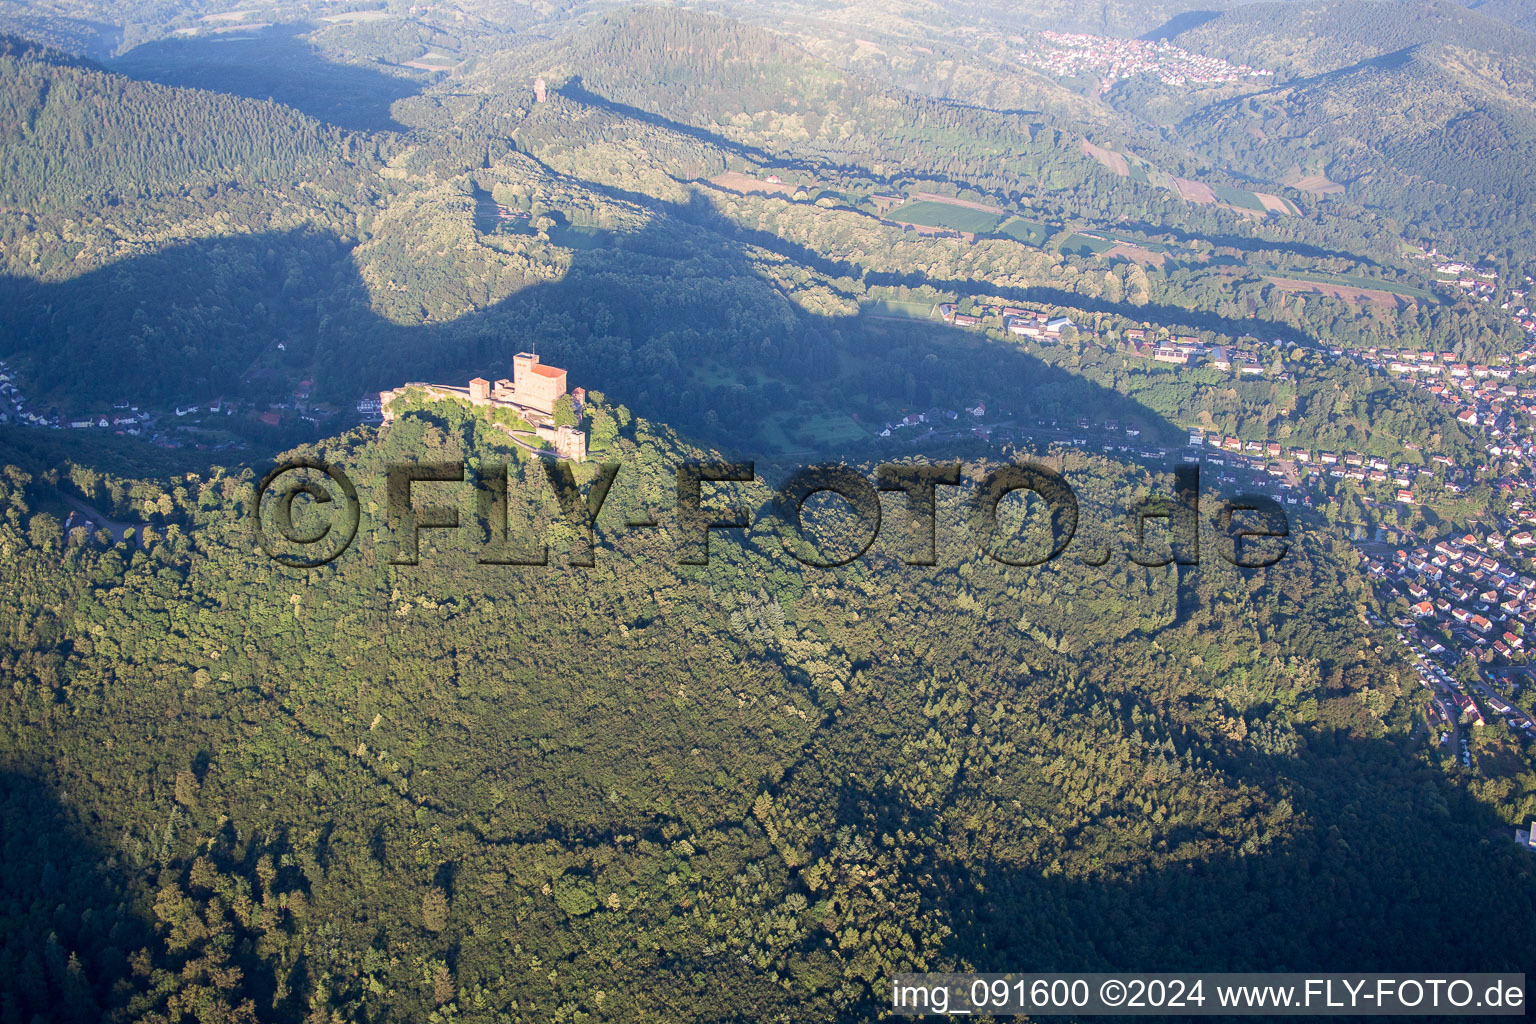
73 132
754 789
382 269
1422 110
646 789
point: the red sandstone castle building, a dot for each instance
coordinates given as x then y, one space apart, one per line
532 392
533 386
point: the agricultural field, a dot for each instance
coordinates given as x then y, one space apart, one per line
433 61
1357 290
1278 204
829 428
1317 184
1149 256
966 204
1128 165
1254 202
735 181
1356 281
1112 160
1239 198
928 213
798 434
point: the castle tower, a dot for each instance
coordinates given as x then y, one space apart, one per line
536 386
540 90
479 391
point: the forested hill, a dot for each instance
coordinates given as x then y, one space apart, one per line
1425 112
1517 12
1317 36
1458 120
758 91
652 791
626 788
69 130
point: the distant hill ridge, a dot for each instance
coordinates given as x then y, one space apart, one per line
69 129
1415 108
1311 38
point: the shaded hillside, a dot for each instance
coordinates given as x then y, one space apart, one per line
650 791
1316 36
188 322
1517 12
1429 117
751 87
70 130
276 63
89 32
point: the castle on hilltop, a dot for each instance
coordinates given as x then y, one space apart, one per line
532 392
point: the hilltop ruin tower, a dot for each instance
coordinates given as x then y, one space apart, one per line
540 90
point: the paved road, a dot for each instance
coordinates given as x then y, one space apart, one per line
1485 692
117 529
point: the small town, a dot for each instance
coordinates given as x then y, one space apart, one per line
1067 54
1465 607
217 424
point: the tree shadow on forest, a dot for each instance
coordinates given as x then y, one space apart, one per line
186 323
676 321
1391 868
1245 244
693 320
274 63
76 940
576 91
1185 22
66 929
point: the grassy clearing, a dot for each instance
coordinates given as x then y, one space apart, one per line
830 428
1027 231
1240 198
912 310
576 236
943 215
1354 281
1082 245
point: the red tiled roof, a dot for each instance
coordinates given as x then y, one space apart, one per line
546 371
